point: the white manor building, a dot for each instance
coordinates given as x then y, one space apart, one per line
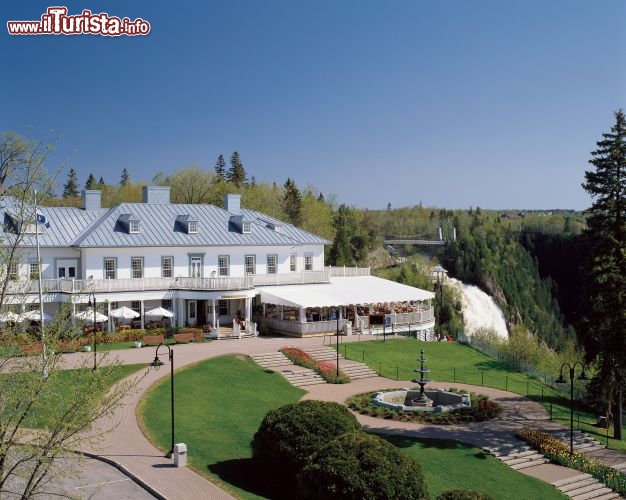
229 266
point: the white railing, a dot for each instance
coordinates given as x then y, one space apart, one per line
348 272
315 327
304 277
70 285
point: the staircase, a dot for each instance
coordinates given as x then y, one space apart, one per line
352 369
582 442
227 333
295 375
584 487
518 455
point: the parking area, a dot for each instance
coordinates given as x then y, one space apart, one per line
102 481
99 481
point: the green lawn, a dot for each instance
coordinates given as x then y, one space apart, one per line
219 405
61 384
453 362
221 402
449 464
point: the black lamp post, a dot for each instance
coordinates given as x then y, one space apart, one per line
561 380
158 363
95 329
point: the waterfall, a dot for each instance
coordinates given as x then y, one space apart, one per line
480 310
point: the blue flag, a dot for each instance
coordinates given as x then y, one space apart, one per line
41 218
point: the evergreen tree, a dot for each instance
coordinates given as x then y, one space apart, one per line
91 182
125 178
220 169
345 225
292 203
101 183
70 188
236 174
606 268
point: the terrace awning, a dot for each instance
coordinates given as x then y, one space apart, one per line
343 292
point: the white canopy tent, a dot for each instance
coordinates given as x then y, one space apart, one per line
124 313
88 316
343 292
34 315
159 311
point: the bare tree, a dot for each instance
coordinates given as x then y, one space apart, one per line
46 412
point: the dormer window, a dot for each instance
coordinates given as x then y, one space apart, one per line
134 227
186 224
241 224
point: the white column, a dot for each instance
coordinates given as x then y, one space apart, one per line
180 320
302 318
248 314
142 309
214 324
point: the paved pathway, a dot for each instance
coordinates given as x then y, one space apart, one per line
127 446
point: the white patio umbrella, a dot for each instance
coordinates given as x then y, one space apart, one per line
88 316
9 317
159 311
34 315
124 313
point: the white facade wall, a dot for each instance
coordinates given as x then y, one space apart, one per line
51 258
93 261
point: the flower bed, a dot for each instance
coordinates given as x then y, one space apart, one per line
325 369
482 409
558 452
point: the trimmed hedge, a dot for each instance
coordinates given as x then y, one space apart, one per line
289 434
361 466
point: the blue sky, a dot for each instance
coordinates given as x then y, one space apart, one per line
450 103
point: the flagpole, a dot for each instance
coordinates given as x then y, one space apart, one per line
39 269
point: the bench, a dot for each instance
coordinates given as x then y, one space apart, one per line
183 338
153 339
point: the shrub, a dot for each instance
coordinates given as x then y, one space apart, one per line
461 494
361 466
325 369
289 434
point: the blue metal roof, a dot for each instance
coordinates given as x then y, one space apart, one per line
160 226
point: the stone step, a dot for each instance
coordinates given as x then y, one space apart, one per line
607 496
571 479
590 492
511 461
578 484
530 463
508 451
619 466
513 456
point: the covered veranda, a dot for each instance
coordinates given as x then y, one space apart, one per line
358 304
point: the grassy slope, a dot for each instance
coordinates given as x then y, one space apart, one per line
225 399
449 465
